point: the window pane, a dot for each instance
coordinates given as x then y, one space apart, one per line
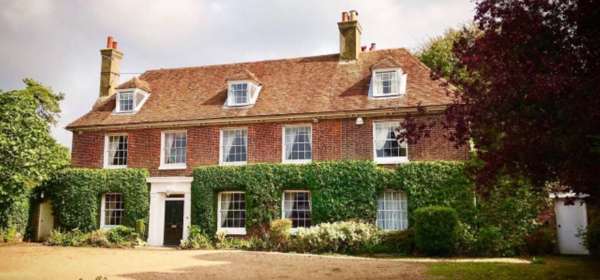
116 152
386 144
234 145
239 93
387 82
113 209
232 210
298 144
175 147
297 207
125 101
392 211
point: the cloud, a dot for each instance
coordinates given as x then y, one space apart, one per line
58 42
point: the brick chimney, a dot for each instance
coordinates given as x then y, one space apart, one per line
350 31
111 68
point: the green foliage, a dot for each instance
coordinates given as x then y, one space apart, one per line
119 236
338 237
591 239
196 239
542 241
397 242
28 153
279 234
436 230
140 228
76 195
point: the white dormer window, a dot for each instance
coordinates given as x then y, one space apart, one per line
130 100
388 83
242 93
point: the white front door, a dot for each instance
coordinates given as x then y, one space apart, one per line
570 220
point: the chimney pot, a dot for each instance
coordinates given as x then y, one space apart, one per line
363 48
114 45
344 16
353 15
373 46
109 42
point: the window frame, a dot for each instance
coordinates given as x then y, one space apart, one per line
169 166
283 144
106 161
295 229
136 105
403 211
230 230
387 160
401 83
231 97
221 138
103 209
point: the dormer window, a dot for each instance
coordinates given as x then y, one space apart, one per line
131 96
126 102
242 93
388 83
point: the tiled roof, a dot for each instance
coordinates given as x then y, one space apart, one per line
318 84
243 75
387 62
135 83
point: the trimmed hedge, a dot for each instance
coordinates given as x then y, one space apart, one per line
76 196
340 190
436 230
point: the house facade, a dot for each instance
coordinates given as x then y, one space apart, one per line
343 106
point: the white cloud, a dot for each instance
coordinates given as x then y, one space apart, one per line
58 42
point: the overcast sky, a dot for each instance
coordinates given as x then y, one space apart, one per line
58 42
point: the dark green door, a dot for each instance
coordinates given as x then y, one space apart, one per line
173 222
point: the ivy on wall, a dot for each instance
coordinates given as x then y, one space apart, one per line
76 195
340 190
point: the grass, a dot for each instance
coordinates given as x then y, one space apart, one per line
551 268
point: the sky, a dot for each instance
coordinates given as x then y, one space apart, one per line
57 42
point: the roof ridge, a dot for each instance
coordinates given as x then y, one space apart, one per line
265 60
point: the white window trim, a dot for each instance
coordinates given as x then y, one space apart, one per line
251 100
294 230
235 163
103 224
171 166
105 153
229 231
402 80
387 160
136 106
283 151
406 202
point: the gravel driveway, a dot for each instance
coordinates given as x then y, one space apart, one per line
34 261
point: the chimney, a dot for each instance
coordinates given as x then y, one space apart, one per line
110 69
350 31
373 46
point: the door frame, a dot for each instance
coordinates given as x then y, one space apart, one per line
160 189
165 207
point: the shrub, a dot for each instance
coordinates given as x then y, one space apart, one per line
98 238
122 236
489 242
542 241
591 239
338 237
196 239
279 234
397 242
73 238
140 228
436 230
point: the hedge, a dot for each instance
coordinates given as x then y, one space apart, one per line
436 230
76 196
340 190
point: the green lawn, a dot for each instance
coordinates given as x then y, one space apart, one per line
551 268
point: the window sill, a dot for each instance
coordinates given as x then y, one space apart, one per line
172 166
303 161
233 231
235 163
391 160
115 166
386 96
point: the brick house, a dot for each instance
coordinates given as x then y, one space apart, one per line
346 105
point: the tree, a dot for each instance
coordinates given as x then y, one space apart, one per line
534 109
28 153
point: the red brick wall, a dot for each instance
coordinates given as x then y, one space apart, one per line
332 140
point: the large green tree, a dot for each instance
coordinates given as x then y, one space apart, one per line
28 153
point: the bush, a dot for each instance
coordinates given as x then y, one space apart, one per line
490 242
338 237
542 241
73 238
279 234
591 238
76 194
436 230
98 238
397 242
140 228
121 236
196 239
